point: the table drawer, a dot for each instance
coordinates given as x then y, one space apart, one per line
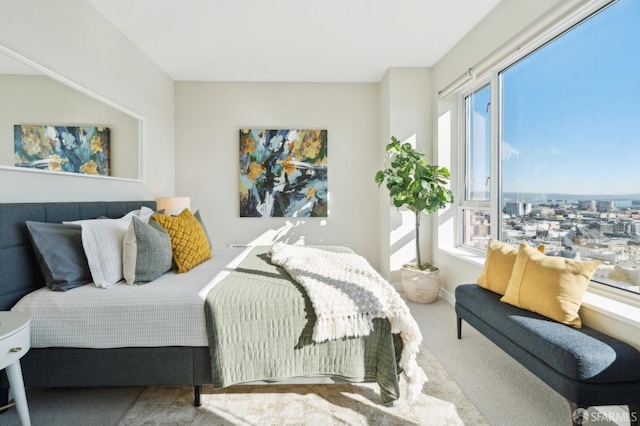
13 347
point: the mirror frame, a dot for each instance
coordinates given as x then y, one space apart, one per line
61 79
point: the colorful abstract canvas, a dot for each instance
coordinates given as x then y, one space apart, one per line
63 148
283 173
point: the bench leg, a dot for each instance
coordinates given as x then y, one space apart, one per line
579 415
197 391
459 320
634 415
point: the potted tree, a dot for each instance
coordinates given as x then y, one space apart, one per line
421 187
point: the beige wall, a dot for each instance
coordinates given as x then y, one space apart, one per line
72 39
208 119
360 118
405 112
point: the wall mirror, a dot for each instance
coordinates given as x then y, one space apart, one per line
31 95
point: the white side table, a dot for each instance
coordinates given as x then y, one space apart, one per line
15 341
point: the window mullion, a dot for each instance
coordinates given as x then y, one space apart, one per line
494 190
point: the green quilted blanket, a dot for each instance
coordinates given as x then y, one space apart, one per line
259 325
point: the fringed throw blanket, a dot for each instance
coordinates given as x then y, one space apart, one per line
347 294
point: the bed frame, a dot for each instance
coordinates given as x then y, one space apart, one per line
79 367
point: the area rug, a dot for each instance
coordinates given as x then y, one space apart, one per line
441 403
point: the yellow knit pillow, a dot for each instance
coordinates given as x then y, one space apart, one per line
498 265
551 286
188 240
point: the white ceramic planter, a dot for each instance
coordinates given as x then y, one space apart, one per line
421 286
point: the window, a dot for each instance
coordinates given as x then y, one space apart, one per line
566 148
476 202
479 144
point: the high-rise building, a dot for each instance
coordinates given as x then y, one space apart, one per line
587 205
605 206
517 208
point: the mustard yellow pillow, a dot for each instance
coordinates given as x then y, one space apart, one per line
498 265
188 241
548 285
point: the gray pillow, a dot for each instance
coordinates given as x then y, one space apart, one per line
60 255
204 228
147 252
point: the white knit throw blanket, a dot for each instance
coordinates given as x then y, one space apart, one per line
346 294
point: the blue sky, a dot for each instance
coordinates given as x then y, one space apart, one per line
571 111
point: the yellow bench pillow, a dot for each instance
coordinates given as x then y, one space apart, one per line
498 265
548 285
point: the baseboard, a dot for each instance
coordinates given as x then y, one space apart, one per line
444 294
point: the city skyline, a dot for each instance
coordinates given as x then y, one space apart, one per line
555 196
582 231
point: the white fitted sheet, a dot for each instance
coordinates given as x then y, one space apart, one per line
168 311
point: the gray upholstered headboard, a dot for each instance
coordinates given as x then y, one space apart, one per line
19 271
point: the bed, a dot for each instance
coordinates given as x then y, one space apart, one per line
179 355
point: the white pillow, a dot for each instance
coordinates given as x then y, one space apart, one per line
102 243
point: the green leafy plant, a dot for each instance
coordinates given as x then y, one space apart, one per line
413 183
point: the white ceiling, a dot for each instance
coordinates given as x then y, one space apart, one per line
292 40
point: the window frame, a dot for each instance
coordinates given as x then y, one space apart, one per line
492 77
492 205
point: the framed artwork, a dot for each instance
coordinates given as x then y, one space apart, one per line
71 149
283 173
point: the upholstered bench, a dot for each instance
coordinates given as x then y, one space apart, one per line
585 366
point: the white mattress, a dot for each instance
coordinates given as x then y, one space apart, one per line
168 311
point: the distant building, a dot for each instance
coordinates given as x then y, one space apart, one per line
517 208
547 211
478 226
605 206
587 205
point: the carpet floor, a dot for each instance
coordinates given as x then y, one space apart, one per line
441 403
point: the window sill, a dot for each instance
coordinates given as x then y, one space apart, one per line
620 311
475 258
597 298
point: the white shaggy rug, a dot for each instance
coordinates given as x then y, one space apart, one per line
441 403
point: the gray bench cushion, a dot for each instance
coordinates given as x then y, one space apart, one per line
584 355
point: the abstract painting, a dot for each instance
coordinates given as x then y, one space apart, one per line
283 173
63 148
